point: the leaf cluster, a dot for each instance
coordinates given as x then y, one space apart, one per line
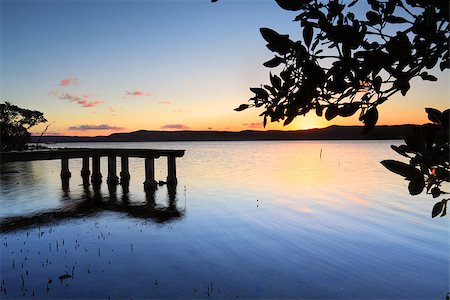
14 125
428 150
346 62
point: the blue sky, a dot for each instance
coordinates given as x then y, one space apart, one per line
149 64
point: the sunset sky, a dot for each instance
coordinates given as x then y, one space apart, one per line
98 67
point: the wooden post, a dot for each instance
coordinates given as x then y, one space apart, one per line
96 174
171 170
65 173
124 171
85 172
150 182
112 171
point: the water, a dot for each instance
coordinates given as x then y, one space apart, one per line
247 219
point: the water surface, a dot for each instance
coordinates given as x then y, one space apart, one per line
247 219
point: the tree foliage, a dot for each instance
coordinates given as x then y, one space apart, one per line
348 61
14 125
428 151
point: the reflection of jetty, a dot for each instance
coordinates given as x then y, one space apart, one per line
90 204
95 154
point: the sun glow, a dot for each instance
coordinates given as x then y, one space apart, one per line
308 122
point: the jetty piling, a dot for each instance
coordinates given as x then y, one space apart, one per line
85 171
65 172
150 182
96 173
112 171
124 170
95 155
171 170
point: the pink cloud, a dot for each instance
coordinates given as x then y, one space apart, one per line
69 81
174 126
111 109
137 93
254 125
95 127
84 101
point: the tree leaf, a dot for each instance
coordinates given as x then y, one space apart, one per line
370 119
288 120
260 93
293 5
373 18
402 84
435 192
279 43
331 112
416 185
426 76
400 150
434 115
437 208
271 36
308 34
444 211
319 110
395 19
352 3
274 62
241 107
401 168
275 81
349 109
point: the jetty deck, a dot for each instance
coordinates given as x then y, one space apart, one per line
94 155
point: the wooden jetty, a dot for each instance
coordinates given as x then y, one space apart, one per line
87 154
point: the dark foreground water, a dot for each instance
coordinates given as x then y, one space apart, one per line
247 220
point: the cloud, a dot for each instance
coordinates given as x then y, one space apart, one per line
137 93
94 127
254 125
174 126
164 102
111 109
47 133
84 100
69 81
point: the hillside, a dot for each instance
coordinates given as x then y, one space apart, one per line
328 133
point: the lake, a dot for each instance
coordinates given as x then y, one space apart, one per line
265 219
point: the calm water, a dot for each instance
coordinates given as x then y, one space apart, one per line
247 220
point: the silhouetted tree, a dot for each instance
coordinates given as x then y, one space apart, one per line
349 61
14 125
428 150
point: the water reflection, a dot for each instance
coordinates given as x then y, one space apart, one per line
93 202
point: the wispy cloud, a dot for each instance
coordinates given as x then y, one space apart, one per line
254 125
174 126
69 81
94 127
164 102
84 100
137 93
47 133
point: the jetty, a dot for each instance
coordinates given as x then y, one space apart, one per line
91 156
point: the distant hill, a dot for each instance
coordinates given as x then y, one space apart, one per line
328 133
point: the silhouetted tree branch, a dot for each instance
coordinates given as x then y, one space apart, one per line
349 62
